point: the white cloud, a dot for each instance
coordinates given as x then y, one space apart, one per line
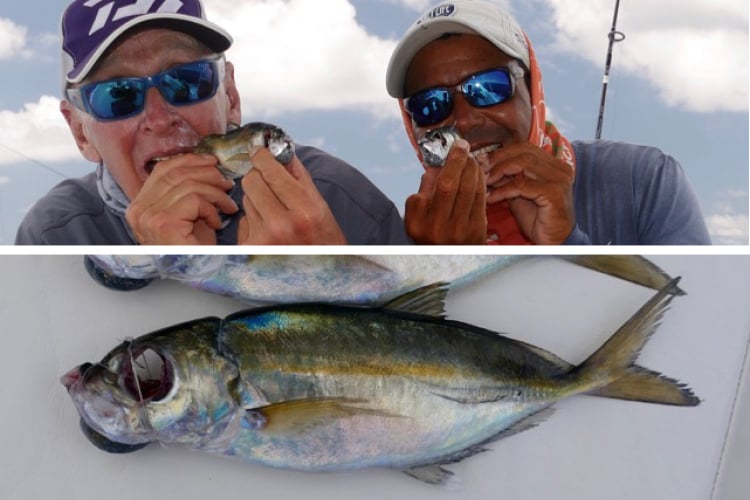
728 229
4 180
38 131
727 225
417 5
695 52
12 39
296 55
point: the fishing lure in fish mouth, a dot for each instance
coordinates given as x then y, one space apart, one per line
233 148
317 387
436 144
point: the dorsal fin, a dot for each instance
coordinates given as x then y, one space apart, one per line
428 300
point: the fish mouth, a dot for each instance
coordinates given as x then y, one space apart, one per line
74 376
105 444
147 375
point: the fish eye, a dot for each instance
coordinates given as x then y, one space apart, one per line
109 377
147 376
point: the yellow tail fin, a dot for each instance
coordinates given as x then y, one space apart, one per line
611 371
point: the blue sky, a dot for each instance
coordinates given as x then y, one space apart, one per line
317 68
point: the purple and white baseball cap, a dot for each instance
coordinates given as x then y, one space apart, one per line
89 27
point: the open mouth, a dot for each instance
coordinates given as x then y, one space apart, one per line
486 150
147 375
153 161
165 155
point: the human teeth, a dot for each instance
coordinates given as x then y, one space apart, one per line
486 150
153 161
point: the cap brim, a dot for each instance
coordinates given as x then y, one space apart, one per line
412 43
214 37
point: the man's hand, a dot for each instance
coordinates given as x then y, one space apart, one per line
179 203
539 190
283 206
450 207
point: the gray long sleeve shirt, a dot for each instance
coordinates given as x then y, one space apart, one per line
633 195
624 195
73 213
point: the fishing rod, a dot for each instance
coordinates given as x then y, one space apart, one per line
614 37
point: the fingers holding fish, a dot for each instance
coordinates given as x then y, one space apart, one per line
450 205
283 206
539 188
235 149
180 202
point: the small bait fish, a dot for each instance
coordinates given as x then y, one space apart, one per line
233 148
436 144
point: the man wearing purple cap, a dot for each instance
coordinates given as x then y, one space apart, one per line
149 187
512 177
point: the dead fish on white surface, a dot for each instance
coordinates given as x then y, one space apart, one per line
341 279
330 388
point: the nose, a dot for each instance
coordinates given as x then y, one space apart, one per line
159 115
465 116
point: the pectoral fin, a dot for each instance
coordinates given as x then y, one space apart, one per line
303 415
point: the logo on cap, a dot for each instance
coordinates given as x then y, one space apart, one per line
442 11
137 8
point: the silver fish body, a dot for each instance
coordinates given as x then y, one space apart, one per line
340 279
328 388
232 149
436 144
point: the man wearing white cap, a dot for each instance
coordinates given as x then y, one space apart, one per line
513 178
144 82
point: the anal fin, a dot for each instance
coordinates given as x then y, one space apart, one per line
434 474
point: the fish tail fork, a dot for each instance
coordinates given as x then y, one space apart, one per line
611 371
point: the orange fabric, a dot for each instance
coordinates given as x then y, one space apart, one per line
502 228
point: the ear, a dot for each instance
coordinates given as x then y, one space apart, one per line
234 109
75 124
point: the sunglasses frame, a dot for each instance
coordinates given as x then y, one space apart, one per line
514 70
76 95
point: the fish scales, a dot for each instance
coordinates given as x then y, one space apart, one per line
381 359
324 388
341 279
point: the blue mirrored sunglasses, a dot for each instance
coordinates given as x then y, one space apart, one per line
481 90
125 97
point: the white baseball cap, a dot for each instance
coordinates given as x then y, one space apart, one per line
476 17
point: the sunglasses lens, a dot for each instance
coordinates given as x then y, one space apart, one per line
488 89
481 90
115 99
190 83
186 84
430 106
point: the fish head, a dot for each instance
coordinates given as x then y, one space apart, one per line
233 149
435 145
112 396
169 386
